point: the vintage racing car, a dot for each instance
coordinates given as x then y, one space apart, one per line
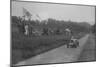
74 43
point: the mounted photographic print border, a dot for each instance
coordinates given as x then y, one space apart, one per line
51 34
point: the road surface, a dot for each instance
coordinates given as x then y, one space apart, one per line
89 51
57 55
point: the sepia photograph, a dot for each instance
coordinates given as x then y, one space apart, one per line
52 33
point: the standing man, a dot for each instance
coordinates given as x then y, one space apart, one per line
69 34
26 30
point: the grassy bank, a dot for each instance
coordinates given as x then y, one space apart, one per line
24 47
89 50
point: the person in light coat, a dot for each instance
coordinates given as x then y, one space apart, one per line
26 30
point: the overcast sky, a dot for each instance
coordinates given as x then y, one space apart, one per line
55 11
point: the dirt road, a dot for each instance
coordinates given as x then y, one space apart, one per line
89 51
58 55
